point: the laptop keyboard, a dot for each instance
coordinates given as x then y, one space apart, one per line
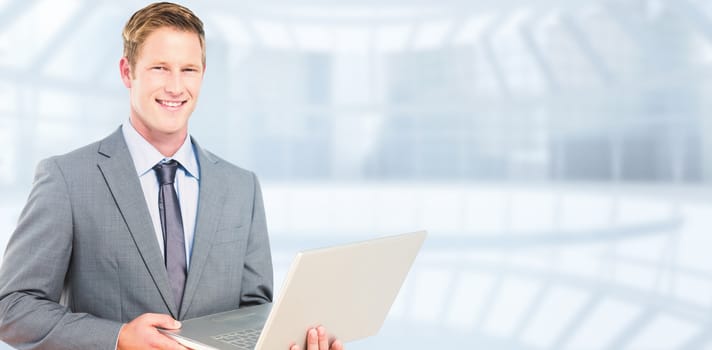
244 339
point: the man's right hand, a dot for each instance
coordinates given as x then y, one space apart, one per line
141 333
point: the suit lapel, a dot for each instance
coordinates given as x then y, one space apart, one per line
210 201
119 173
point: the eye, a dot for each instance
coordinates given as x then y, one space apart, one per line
158 68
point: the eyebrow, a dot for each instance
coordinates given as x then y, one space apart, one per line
164 63
192 65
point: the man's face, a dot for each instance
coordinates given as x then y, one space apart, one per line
164 83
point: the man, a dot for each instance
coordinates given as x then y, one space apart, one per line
144 227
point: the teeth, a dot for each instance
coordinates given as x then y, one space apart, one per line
171 104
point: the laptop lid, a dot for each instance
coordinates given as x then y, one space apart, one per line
348 289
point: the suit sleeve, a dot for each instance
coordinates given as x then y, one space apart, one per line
257 278
33 272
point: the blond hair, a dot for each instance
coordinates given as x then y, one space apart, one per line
155 16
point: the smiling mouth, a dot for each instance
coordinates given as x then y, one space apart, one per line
171 104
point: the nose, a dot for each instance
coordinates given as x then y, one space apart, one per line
174 84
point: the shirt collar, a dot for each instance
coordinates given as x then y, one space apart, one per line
145 156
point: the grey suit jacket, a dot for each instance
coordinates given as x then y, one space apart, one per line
84 258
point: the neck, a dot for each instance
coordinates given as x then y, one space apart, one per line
166 144
168 148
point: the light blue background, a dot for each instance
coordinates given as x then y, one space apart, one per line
558 152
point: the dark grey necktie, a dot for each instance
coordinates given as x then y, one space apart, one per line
172 225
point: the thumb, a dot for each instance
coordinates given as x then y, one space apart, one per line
163 321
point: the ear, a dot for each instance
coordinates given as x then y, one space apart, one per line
125 70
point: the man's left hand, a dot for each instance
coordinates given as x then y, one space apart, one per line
318 339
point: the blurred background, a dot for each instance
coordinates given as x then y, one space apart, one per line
559 152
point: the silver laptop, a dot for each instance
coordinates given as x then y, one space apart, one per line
348 289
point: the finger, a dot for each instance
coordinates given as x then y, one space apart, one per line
312 339
141 333
336 345
294 347
160 340
169 324
323 338
160 320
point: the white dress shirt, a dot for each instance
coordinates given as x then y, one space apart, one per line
187 182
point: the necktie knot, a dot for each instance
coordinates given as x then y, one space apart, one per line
166 172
